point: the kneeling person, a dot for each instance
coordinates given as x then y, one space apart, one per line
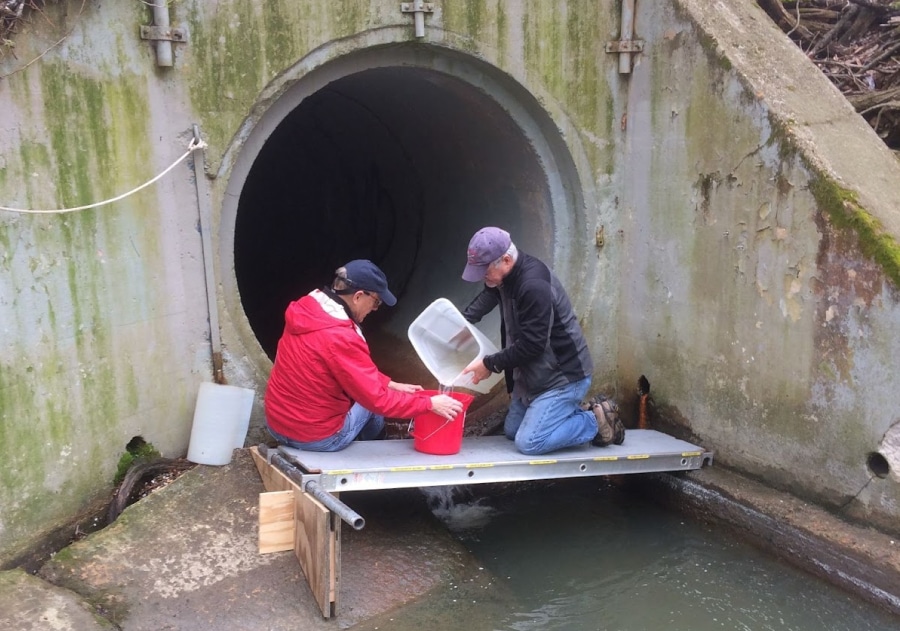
324 390
545 356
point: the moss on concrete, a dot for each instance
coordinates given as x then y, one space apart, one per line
502 23
543 35
136 451
474 17
65 379
237 52
845 212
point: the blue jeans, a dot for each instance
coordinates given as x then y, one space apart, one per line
359 423
553 421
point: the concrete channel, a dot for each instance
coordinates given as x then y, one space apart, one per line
185 558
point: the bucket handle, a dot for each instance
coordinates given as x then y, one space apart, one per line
410 429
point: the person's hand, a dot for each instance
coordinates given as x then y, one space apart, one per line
445 406
408 388
478 369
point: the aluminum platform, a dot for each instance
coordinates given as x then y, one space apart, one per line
390 464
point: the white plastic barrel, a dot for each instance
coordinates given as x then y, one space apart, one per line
446 343
221 421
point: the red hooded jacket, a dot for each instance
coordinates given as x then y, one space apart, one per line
322 366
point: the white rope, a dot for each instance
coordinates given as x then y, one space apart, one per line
195 144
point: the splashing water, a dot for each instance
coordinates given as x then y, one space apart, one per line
456 507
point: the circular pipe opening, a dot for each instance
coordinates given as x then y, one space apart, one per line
400 165
878 465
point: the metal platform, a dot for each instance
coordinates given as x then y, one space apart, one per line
298 511
390 464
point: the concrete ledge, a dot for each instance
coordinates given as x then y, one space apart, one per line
186 558
29 604
860 560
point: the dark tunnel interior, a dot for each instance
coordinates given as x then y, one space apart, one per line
400 165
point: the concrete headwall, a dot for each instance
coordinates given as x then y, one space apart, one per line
760 223
724 220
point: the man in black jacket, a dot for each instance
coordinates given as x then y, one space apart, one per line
547 362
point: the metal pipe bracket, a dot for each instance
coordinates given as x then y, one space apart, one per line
625 46
163 33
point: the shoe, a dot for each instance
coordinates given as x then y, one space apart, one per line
610 429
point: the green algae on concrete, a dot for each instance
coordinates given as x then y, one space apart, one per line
770 342
735 257
68 374
562 45
543 46
136 450
239 48
845 212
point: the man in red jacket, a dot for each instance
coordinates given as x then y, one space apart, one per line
324 390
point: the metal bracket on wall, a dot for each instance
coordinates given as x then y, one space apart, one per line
625 46
163 33
418 9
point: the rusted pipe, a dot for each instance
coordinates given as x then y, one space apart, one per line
643 399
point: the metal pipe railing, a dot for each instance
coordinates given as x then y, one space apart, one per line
312 487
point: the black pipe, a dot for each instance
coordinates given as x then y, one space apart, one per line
312 487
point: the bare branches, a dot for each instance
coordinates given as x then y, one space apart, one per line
13 13
856 44
24 8
10 15
837 29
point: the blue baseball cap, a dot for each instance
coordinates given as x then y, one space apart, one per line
365 275
486 246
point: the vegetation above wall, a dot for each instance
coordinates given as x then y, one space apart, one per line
13 15
856 44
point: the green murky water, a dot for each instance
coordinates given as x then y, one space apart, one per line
580 555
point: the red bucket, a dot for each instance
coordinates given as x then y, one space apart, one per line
433 434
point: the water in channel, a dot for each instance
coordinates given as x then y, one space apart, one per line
587 554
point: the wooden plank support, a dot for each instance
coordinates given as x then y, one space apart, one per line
317 548
276 521
291 519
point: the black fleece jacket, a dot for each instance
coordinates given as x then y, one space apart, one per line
543 344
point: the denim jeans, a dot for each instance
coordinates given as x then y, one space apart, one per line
553 421
359 423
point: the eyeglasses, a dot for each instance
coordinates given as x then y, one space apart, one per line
374 297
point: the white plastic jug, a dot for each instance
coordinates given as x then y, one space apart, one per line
221 421
446 343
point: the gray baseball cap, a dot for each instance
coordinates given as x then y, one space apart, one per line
485 247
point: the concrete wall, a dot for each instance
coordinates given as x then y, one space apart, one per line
750 191
735 190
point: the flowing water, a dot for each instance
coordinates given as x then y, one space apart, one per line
579 555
